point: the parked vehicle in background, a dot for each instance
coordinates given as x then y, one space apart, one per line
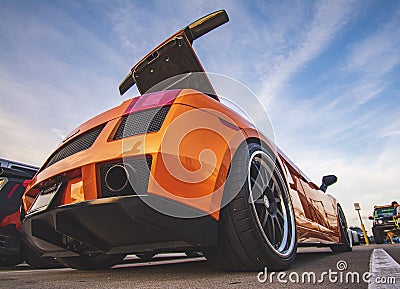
354 237
382 222
14 178
360 234
28 169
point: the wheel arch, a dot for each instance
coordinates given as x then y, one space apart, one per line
252 137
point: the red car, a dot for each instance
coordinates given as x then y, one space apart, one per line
12 185
14 178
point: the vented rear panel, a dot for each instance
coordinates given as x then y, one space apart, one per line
141 122
78 144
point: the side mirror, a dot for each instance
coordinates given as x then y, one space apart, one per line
328 181
371 218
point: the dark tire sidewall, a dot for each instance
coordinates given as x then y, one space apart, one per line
252 148
266 254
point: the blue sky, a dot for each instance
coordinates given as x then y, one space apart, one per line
327 72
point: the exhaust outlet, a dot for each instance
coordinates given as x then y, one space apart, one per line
117 178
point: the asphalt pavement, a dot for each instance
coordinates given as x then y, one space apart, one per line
314 267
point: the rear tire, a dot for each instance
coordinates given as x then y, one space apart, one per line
10 260
98 262
257 227
347 244
379 235
37 262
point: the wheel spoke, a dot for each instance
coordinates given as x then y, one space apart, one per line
272 231
264 175
264 221
276 237
260 174
256 168
259 202
279 224
272 187
280 215
278 229
258 191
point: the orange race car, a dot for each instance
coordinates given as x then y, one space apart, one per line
174 170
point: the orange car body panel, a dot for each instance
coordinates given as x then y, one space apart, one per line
315 211
202 165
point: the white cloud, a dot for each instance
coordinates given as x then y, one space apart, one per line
391 130
371 61
377 54
24 141
327 20
49 83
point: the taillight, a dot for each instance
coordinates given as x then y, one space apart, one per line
152 100
26 183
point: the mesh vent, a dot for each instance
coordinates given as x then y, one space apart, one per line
142 122
139 170
78 144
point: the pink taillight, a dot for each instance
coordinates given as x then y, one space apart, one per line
152 100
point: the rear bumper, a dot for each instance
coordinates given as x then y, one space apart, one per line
386 227
10 241
116 225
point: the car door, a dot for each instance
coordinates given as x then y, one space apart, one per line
308 230
320 206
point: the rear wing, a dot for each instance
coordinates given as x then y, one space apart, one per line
174 57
